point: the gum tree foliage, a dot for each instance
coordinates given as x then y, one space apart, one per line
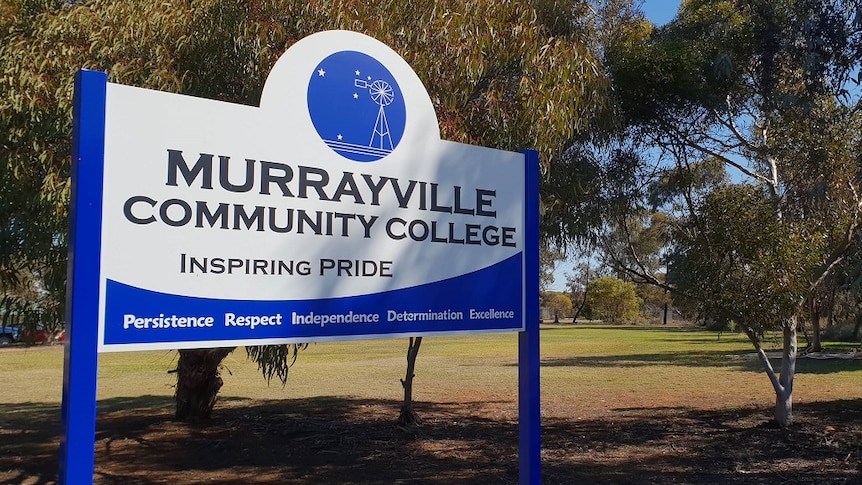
766 90
844 296
559 304
613 299
638 239
508 75
174 47
587 184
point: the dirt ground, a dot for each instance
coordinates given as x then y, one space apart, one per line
352 441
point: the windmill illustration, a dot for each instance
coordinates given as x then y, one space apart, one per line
342 100
382 94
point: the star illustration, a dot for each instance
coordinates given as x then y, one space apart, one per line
357 72
340 137
321 72
355 95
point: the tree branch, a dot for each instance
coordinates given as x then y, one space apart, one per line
770 371
687 141
733 128
840 251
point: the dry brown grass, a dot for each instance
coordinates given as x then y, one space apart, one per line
620 405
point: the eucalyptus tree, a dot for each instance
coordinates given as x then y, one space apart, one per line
578 283
205 48
559 304
614 299
767 90
509 75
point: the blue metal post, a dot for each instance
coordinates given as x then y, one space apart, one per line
77 445
529 397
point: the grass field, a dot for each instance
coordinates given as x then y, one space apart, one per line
589 373
589 364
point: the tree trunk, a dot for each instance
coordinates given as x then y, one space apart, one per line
815 325
784 393
580 307
783 409
407 417
830 306
783 383
198 382
858 325
784 390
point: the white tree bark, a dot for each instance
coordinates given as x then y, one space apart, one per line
782 382
784 393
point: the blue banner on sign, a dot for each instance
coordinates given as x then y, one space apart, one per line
488 299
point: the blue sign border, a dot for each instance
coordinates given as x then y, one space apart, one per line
77 447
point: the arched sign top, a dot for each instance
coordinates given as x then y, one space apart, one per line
361 99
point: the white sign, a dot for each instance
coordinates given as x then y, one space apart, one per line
333 210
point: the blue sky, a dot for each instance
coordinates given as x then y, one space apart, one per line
660 12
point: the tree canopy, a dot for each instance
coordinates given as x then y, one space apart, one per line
613 299
508 75
765 91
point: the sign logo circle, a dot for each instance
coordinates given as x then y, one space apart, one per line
356 106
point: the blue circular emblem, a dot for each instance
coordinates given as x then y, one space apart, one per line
356 106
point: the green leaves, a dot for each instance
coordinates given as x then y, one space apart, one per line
756 89
688 65
743 261
275 360
613 299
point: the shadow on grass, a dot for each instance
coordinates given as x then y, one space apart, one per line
317 440
680 445
827 366
690 358
29 443
347 440
744 362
